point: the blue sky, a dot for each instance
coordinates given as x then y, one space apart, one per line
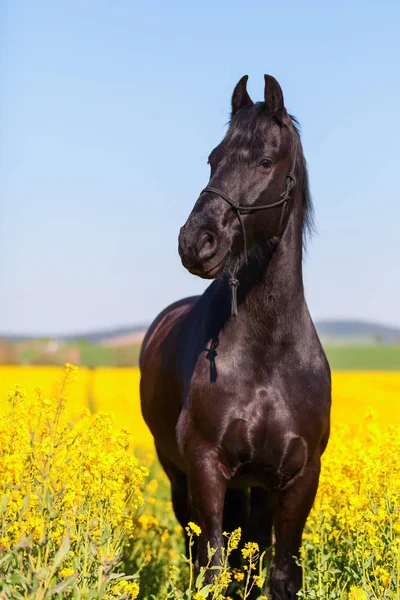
108 113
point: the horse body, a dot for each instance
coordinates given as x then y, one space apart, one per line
239 405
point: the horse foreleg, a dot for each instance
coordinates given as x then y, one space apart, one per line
179 494
207 487
259 529
236 514
262 510
294 505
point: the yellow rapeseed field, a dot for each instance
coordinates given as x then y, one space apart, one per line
116 392
82 517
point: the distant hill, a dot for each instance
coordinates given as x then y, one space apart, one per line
335 330
94 337
357 330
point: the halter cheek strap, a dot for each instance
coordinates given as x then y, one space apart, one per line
247 210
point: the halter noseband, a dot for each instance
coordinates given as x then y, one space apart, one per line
248 210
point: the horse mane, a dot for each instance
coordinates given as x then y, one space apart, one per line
308 206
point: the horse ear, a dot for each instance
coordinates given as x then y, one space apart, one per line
240 97
273 97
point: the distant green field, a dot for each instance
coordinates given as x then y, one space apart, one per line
364 357
350 356
94 355
89 355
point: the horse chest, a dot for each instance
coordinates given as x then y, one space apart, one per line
253 453
259 437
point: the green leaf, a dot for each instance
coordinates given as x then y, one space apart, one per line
61 586
105 535
62 552
23 544
206 590
92 549
17 578
368 562
6 557
92 595
76 595
200 579
24 505
3 505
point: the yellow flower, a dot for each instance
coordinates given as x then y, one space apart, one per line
357 593
65 481
148 521
152 486
70 367
129 590
173 555
223 580
193 528
66 572
164 536
238 575
250 550
71 475
234 538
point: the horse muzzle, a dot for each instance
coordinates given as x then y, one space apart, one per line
202 253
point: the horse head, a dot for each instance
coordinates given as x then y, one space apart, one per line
252 170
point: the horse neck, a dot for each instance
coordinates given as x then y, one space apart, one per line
272 298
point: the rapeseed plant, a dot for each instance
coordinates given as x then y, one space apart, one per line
70 491
76 510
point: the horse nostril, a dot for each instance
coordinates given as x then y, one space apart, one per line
207 246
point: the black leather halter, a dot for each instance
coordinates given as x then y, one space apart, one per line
248 210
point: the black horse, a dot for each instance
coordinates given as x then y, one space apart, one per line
235 385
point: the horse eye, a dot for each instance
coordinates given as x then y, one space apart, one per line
266 163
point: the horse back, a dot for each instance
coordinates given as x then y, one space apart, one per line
163 324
